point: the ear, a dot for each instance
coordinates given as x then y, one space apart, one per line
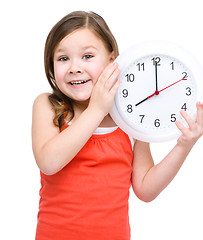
112 57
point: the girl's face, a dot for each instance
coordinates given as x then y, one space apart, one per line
79 60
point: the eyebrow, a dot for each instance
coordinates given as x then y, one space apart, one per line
83 48
89 46
60 50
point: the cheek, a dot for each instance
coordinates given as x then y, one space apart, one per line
58 74
97 70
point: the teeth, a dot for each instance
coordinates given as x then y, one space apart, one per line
77 82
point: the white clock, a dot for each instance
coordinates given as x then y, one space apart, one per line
158 79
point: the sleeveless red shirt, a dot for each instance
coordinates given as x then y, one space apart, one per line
88 198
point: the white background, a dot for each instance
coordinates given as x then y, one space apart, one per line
178 212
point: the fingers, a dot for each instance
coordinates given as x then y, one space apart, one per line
191 123
188 119
109 75
112 79
200 113
195 128
108 71
181 127
105 88
115 87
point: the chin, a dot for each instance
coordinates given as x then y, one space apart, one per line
82 99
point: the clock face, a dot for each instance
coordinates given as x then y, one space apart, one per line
153 90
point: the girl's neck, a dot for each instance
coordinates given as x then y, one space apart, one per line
80 107
107 122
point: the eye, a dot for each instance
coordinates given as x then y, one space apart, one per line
87 56
63 59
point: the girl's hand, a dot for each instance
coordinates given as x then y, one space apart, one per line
195 130
105 89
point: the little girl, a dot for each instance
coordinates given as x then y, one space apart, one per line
87 163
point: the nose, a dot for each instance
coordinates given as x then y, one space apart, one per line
75 67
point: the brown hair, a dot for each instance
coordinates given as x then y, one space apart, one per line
75 20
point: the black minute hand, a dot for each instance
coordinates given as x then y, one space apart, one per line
156 76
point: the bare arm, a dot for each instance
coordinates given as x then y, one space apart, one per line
53 150
148 180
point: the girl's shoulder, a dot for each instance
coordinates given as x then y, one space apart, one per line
42 105
42 108
43 98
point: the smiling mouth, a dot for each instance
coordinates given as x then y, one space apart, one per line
73 83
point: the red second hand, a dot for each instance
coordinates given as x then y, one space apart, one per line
157 92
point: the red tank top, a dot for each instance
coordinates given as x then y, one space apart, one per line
88 198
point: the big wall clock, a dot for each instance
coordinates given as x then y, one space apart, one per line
158 79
